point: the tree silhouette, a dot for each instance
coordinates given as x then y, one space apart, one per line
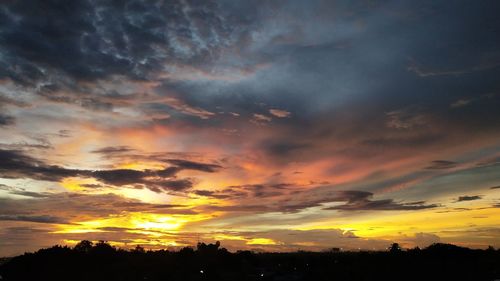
103 248
139 249
395 248
83 246
101 261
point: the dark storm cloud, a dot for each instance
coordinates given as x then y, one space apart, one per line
37 218
330 61
15 164
88 40
190 165
121 176
213 194
468 198
156 180
361 200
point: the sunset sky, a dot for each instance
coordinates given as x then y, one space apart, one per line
266 125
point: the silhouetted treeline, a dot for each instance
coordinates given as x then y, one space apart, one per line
100 261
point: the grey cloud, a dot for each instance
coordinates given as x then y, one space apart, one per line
27 146
213 194
6 100
94 40
15 164
6 120
92 185
24 192
468 198
354 201
441 165
407 118
190 165
361 200
67 206
34 218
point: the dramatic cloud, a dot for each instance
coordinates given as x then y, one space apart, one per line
15 164
88 41
354 201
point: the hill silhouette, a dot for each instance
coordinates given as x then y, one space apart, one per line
101 261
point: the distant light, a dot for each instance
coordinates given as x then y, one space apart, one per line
262 275
201 271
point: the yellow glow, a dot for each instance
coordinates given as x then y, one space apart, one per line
261 241
387 225
306 244
156 242
75 184
140 166
144 223
158 222
228 237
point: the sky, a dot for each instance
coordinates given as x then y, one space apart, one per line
266 125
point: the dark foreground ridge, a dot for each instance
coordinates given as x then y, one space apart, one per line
101 261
